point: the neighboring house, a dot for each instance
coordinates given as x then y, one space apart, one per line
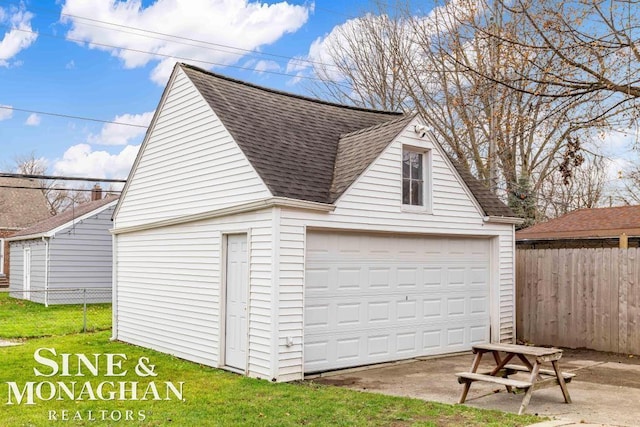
21 204
275 235
598 227
66 259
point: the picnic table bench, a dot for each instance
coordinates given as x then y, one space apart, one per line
538 377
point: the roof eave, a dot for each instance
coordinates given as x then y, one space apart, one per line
271 202
28 237
503 220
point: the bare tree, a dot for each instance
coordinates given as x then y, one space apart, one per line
447 65
58 196
364 57
595 45
585 189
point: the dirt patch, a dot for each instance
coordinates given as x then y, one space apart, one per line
337 381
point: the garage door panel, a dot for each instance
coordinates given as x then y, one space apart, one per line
376 298
348 348
331 278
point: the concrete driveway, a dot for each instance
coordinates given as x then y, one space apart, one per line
606 389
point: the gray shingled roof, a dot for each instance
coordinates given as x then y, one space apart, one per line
356 151
61 219
304 148
21 207
491 205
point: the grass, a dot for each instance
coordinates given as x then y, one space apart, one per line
213 397
25 319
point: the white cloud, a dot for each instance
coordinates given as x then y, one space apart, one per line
115 134
33 120
19 36
82 160
318 60
240 23
6 112
264 65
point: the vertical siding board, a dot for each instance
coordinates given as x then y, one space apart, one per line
563 310
614 307
623 303
633 304
521 273
584 297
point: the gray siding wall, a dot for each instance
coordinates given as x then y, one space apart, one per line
38 256
80 257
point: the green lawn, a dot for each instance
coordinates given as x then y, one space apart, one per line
210 397
26 319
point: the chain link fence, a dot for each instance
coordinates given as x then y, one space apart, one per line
37 313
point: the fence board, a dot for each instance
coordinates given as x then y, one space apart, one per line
579 297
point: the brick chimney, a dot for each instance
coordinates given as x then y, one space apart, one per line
96 192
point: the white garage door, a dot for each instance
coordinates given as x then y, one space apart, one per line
376 298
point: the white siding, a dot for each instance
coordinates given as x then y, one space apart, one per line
80 257
188 140
373 203
38 256
169 289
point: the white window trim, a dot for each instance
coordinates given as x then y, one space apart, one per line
426 187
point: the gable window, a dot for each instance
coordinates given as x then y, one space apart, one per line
413 177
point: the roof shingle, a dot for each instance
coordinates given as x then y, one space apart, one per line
21 207
304 148
56 221
584 223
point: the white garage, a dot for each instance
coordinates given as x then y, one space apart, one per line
373 298
288 235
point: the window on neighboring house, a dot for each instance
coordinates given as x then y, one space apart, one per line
413 177
1 256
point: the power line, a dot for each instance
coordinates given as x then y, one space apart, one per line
175 57
61 189
70 116
240 51
138 29
59 178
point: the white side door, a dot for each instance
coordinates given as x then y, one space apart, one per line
237 291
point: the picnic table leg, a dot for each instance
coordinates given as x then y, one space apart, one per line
527 396
467 384
525 400
561 381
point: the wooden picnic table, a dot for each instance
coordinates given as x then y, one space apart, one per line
532 359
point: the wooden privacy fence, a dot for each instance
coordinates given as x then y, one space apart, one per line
583 297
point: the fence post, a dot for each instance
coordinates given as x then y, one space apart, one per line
84 311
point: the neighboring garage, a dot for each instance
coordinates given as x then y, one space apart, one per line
373 298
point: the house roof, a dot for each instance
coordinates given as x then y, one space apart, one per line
304 148
66 217
586 223
21 207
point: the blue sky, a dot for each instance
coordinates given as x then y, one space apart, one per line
47 64
86 58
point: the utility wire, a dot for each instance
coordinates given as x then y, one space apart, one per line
70 116
221 45
176 57
58 177
60 189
